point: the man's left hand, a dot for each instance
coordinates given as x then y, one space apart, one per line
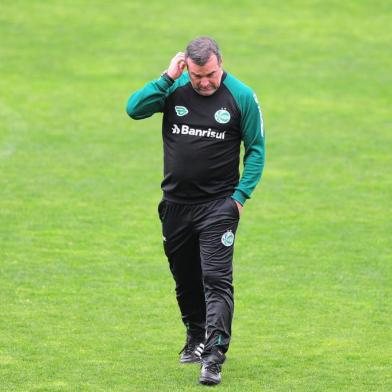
239 206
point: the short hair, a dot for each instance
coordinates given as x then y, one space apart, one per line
200 50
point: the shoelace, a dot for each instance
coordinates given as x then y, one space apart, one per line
188 348
213 367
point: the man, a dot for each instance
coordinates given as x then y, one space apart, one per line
206 114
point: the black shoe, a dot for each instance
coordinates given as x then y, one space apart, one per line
210 373
191 352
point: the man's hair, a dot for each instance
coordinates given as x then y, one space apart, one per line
200 50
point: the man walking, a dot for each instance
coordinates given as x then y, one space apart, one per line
207 112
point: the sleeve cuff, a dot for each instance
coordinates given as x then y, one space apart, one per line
239 196
167 79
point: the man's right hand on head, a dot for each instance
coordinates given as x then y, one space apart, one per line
176 66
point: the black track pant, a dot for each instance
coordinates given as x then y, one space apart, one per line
199 241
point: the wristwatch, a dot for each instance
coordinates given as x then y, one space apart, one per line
165 75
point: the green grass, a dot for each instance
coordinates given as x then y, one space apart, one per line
86 298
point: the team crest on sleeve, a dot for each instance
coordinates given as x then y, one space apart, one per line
227 238
222 116
181 110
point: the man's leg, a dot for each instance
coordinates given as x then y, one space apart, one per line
216 248
216 238
182 250
186 270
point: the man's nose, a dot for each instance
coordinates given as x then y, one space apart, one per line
204 82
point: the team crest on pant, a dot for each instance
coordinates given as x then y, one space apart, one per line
227 238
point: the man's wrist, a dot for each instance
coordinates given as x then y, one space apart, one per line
239 196
165 75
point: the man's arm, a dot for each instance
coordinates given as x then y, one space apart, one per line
151 98
253 138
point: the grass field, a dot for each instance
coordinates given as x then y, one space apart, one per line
86 298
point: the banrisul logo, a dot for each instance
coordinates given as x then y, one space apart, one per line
228 238
187 130
222 116
181 110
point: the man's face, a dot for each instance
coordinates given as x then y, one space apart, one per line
205 78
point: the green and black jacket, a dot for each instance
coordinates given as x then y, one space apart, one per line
202 137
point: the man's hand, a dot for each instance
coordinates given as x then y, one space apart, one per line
176 66
239 206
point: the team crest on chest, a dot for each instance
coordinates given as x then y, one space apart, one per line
222 116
